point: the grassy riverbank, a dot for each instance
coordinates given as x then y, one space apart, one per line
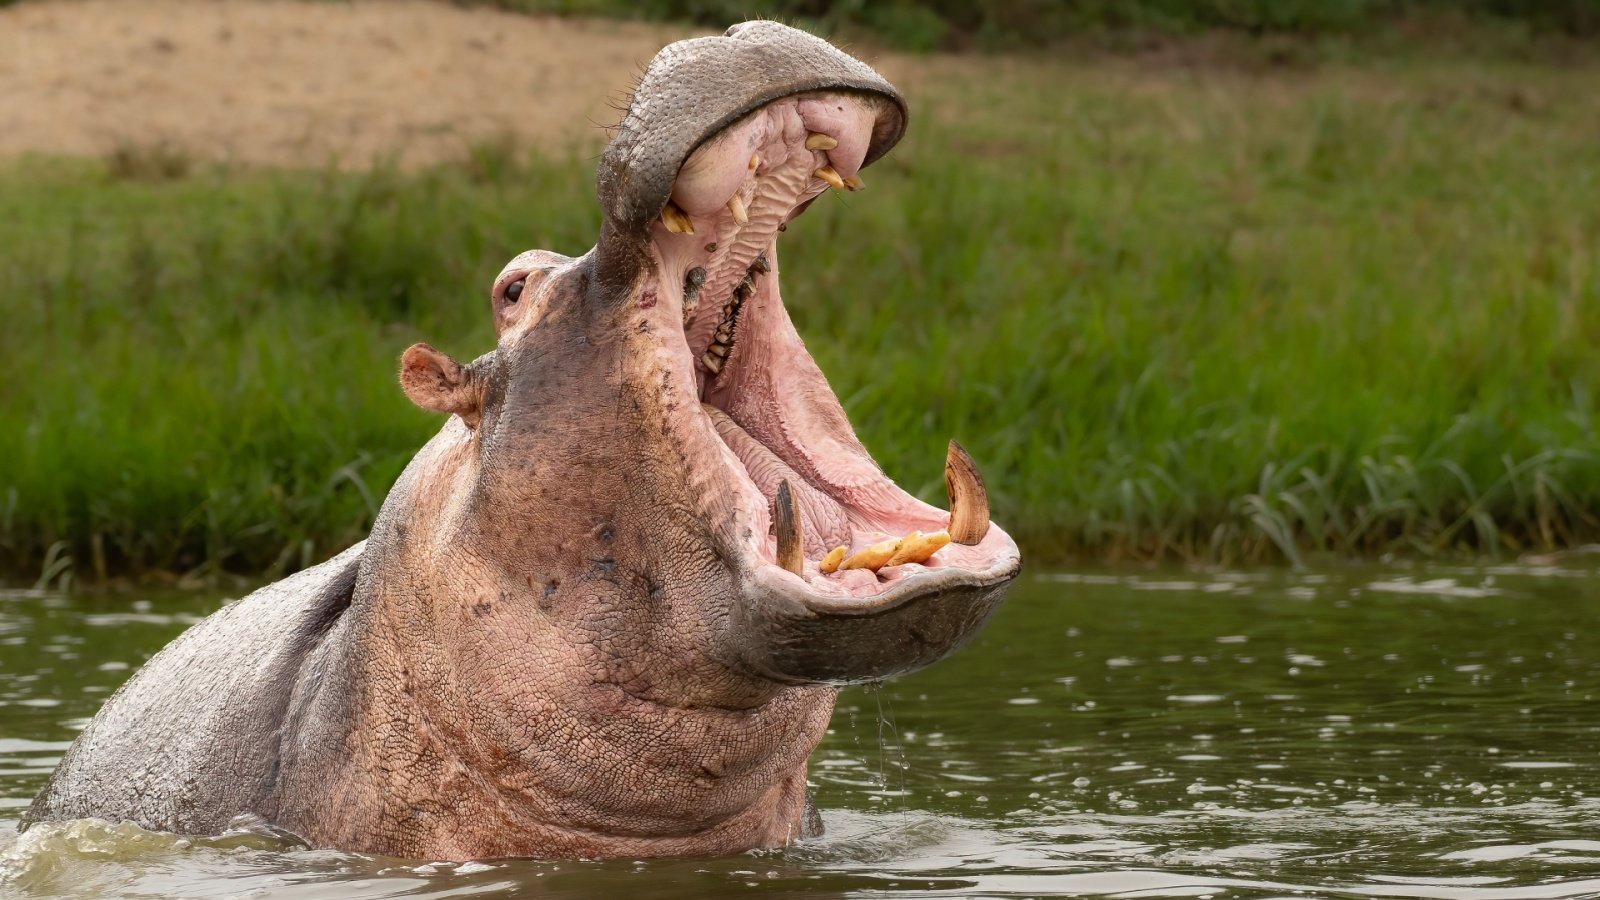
1172 313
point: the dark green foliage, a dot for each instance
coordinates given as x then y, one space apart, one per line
943 24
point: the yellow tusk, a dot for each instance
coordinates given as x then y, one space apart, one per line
969 502
819 141
916 547
830 563
855 183
736 206
676 220
827 173
872 557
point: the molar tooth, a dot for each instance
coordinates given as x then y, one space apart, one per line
740 216
830 563
872 556
969 501
676 220
828 174
720 350
916 547
760 265
816 140
786 521
712 362
855 183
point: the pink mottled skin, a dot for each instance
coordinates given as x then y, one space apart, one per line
569 633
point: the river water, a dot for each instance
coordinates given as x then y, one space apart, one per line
1412 732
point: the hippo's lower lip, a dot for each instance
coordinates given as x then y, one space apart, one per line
779 426
797 635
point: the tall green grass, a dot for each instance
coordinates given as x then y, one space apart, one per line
1172 314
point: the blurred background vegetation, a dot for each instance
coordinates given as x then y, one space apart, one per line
1212 313
925 25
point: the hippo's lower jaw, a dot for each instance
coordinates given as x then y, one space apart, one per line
845 577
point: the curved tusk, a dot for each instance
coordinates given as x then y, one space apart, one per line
969 502
828 174
786 518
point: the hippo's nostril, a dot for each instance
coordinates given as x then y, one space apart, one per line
514 290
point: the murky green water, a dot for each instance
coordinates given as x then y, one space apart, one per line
1362 732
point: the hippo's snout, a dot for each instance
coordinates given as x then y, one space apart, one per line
839 574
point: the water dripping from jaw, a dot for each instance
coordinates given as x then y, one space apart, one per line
886 719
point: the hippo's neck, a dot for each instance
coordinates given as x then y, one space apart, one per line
515 744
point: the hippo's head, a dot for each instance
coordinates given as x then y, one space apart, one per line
650 471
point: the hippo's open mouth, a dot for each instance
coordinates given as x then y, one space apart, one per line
815 508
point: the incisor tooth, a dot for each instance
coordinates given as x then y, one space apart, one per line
736 206
969 502
676 220
855 183
827 173
816 140
916 547
786 521
830 563
755 161
872 556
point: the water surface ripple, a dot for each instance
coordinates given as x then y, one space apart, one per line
1351 732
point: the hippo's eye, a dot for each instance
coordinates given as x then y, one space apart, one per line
514 290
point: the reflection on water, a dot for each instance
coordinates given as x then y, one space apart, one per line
1409 733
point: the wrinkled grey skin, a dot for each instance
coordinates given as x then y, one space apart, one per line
552 643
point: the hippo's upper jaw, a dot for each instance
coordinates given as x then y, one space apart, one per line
782 476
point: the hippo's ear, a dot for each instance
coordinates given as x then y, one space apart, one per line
435 381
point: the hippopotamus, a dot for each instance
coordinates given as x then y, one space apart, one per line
606 609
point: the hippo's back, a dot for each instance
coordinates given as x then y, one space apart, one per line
191 740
